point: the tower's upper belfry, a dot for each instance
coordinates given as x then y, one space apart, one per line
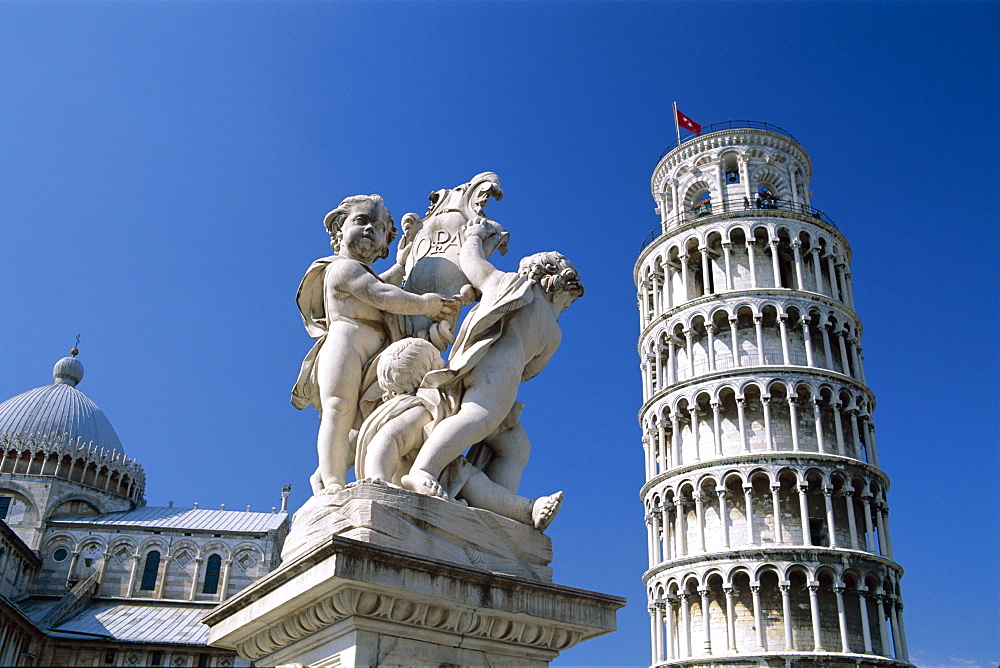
765 504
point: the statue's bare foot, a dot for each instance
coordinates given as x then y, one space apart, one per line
424 483
545 509
330 489
369 481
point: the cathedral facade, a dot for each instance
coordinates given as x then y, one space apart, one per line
89 574
767 515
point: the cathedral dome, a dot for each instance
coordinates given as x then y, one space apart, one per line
59 412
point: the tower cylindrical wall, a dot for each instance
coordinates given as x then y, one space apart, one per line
765 505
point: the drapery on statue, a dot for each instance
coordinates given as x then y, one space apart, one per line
429 413
344 306
393 433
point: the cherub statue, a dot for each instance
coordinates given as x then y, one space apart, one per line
395 431
506 339
345 307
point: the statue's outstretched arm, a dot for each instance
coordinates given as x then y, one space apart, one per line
473 258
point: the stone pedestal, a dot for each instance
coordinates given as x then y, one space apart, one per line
348 602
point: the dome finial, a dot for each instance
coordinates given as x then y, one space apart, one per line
69 370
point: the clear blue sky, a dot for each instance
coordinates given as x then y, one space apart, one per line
165 169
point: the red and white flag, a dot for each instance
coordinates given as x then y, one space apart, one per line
687 123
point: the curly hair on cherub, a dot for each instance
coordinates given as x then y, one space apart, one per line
335 219
553 271
403 365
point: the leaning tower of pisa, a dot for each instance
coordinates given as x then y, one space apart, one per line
766 508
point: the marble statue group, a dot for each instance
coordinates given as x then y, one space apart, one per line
390 404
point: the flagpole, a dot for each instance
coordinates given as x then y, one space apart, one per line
676 126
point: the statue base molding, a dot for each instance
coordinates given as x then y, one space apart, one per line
348 603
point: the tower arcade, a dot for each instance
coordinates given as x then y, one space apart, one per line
765 504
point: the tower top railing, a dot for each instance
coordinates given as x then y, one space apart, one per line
728 125
706 211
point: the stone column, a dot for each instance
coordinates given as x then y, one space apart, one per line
783 334
816 270
685 276
831 528
699 510
856 434
748 500
671 360
686 623
669 551
671 652
758 619
657 279
728 261
661 430
227 566
758 321
796 245
162 584
680 511
843 282
827 352
706 620
833 277
883 547
775 267
741 414
72 568
647 391
897 648
717 427
869 529
818 420
850 289
658 356
842 344
884 507
838 428
861 365
793 419
804 514
689 347
776 509
786 612
657 556
711 329
695 428
197 573
675 425
883 632
852 345
845 645
654 635
872 452
752 261
768 436
706 271
865 623
852 522
902 630
131 579
668 287
733 322
814 613
723 517
651 537
807 340
730 619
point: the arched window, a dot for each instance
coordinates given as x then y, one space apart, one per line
150 570
212 575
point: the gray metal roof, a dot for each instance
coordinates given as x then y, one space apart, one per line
197 519
134 621
56 410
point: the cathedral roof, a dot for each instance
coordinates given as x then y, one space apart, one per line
203 519
137 621
59 412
